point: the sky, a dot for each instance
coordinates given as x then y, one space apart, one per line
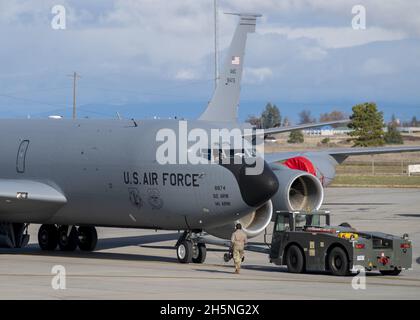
146 59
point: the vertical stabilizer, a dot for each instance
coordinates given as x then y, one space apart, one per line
224 103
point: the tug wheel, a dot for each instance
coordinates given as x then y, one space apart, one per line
338 262
394 272
295 260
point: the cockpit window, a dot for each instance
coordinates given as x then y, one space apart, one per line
216 155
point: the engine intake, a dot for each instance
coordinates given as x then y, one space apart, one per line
298 190
253 224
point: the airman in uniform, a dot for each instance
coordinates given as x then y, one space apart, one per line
239 240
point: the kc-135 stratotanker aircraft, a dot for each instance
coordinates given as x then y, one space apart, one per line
74 175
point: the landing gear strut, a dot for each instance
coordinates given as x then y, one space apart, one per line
67 238
188 249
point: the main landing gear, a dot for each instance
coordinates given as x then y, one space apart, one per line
188 249
67 238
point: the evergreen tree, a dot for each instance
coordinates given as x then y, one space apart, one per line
393 136
367 124
271 117
296 137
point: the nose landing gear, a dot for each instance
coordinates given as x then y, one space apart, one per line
188 249
67 238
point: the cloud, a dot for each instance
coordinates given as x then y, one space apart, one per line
329 37
257 75
186 74
396 15
377 67
129 51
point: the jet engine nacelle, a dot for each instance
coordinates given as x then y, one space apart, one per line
253 224
322 165
298 190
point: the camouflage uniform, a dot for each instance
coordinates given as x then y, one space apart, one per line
239 239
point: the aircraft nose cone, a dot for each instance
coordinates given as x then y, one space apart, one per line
255 189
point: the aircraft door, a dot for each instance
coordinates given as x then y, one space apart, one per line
282 225
21 156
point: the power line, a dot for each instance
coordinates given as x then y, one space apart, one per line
29 100
29 90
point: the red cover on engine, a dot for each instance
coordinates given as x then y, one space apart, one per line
301 163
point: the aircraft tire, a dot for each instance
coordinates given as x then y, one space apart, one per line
87 238
200 253
48 237
184 251
67 242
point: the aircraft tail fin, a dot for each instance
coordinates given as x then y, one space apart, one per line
224 103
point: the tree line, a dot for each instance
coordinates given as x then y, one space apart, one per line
367 124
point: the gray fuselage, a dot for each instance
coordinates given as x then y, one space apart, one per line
107 171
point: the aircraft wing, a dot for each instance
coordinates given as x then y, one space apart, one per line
345 152
299 127
23 196
339 154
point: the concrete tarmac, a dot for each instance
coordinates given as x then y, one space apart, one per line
138 264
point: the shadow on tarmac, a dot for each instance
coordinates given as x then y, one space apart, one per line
173 247
103 244
215 271
283 269
89 255
112 243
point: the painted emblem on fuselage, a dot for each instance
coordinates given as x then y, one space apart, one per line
154 199
135 197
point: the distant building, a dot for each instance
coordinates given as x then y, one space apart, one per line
327 131
408 129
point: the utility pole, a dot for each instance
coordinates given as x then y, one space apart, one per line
216 43
75 76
